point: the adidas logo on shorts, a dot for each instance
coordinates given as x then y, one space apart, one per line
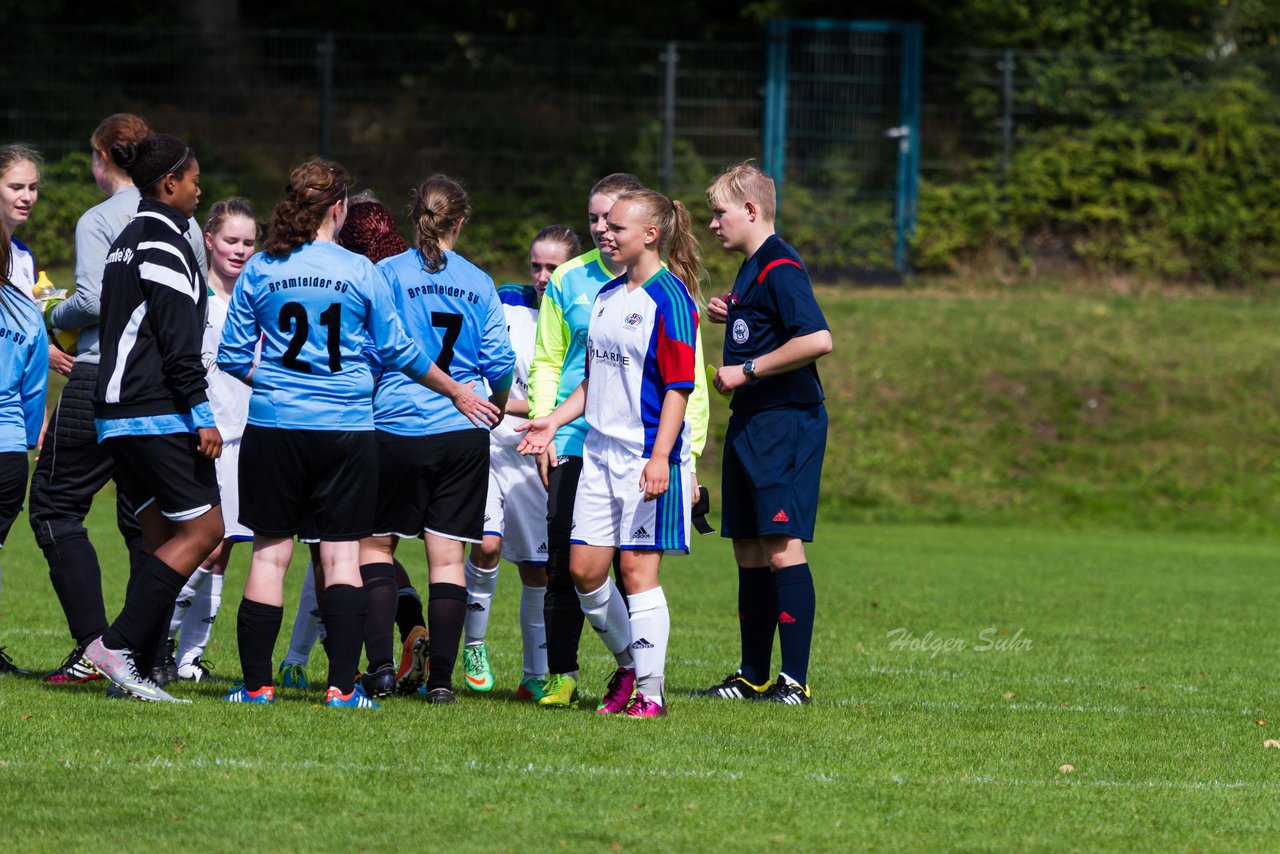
640 534
542 549
642 643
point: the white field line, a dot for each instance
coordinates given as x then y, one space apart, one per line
504 769
1112 709
1109 684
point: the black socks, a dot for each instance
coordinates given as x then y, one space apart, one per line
257 627
344 610
446 612
380 591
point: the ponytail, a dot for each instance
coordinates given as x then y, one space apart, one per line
438 206
677 246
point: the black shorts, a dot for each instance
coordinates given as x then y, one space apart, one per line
323 482
168 471
437 484
13 488
772 472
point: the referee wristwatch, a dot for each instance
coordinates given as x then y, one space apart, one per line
749 370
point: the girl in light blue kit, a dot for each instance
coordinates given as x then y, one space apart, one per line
24 370
308 457
433 464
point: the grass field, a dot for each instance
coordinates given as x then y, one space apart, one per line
1092 672
957 672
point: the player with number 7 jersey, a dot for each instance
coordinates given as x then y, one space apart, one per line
309 456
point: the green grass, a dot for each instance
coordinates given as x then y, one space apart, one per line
1144 661
1155 412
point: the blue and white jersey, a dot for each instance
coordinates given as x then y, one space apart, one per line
24 371
22 266
456 314
520 304
314 313
640 345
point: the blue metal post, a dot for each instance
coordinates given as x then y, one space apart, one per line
775 104
908 143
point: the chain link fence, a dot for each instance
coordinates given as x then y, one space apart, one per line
528 125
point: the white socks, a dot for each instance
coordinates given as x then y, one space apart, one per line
533 630
306 624
607 614
186 597
650 628
480 586
197 622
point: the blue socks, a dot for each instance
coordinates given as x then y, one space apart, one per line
757 617
793 586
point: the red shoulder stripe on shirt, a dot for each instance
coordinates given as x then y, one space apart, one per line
773 264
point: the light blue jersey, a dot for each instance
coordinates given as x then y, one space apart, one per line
24 371
560 353
455 313
315 312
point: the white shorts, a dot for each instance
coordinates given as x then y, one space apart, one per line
516 508
610 509
228 465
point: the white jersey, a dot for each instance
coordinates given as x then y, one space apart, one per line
520 304
22 266
228 397
640 345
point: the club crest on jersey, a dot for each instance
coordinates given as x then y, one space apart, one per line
633 319
740 331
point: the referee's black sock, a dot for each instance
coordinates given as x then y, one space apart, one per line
796 605
757 617
446 612
257 627
379 623
148 603
344 611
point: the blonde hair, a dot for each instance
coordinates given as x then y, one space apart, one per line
676 244
744 182
438 206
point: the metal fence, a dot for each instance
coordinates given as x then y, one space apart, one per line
529 124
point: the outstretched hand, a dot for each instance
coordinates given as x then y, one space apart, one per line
539 433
